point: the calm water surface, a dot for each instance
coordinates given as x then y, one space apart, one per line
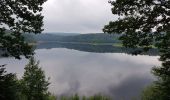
113 74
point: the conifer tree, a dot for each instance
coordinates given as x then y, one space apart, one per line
35 85
8 85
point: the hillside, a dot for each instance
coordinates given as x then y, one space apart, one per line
77 38
92 38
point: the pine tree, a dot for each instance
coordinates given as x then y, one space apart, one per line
35 85
8 85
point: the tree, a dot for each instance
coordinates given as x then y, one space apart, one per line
143 23
16 18
152 93
35 85
8 85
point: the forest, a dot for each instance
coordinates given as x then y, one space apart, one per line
140 26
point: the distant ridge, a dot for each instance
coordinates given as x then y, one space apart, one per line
73 37
61 33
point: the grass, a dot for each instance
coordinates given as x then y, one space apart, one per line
76 97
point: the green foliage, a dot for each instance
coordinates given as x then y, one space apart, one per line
51 97
8 85
79 38
98 97
152 93
92 38
144 23
77 97
16 18
141 22
163 72
34 83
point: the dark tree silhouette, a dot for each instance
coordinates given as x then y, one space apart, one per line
34 83
16 18
8 85
143 23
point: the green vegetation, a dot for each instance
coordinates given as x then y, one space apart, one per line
146 23
8 85
32 86
152 93
99 38
138 19
16 18
76 97
34 83
93 38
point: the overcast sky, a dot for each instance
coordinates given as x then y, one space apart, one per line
80 16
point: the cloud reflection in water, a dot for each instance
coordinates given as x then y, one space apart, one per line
71 71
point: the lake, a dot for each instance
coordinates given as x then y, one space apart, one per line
118 75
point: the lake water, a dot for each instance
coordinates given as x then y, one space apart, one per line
117 75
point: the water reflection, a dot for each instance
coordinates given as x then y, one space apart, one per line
114 74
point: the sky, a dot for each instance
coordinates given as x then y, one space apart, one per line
76 16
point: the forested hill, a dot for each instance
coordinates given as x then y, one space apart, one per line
98 42
70 37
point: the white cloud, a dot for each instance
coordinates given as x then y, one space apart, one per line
82 16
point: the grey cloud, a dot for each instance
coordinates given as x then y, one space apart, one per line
76 15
